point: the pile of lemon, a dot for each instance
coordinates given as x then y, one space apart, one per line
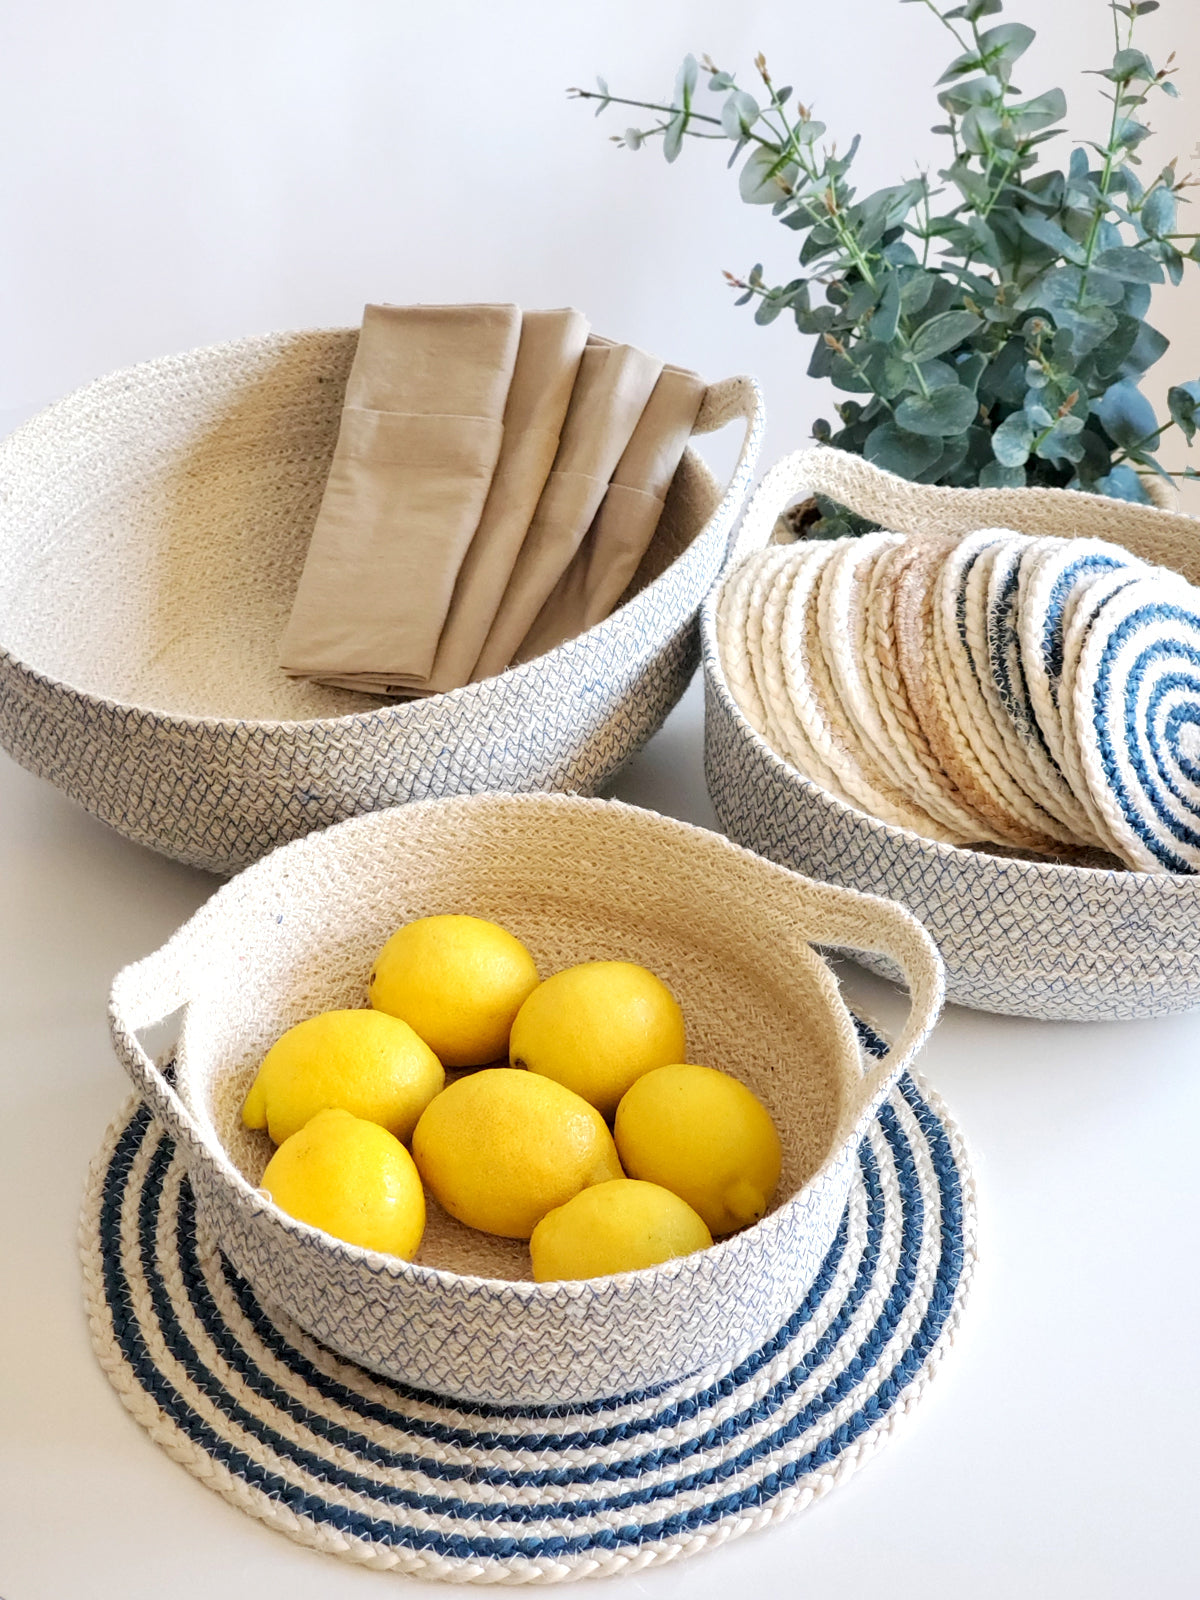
523 1150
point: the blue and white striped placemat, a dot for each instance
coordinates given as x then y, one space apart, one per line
383 1475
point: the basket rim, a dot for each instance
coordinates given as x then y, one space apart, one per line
729 496
978 863
523 1292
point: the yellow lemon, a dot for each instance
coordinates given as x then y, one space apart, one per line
361 1061
598 1027
704 1136
353 1179
458 981
498 1149
615 1227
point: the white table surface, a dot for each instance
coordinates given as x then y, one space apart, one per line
1053 1456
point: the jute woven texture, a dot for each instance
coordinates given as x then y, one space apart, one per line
152 531
1020 937
575 879
408 1481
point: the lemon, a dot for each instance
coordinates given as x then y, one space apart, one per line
598 1027
615 1227
361 1061
704 1136
353 1179
458 981
500 1148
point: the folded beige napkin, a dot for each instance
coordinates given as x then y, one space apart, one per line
617 540
420 435
552 343
612 386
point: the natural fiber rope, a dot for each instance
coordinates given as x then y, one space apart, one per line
508 1512
933 789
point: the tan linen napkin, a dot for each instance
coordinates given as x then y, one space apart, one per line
624 525
420 435
612 387
551 345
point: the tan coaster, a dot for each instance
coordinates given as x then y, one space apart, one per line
932 788
918 568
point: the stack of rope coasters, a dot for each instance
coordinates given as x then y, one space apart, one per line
386 1476
1036 696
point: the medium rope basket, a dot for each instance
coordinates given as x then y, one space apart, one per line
152 531
576 879
1018 936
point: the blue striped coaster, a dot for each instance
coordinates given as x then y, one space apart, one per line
387 1476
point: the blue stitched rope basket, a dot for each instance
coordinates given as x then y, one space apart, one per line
575 879
152 531
1022 937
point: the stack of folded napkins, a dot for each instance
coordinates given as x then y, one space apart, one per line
497 479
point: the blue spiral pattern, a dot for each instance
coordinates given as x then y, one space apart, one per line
1137 706
344 1460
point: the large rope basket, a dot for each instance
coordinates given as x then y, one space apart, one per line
152 531
1024 937
575 879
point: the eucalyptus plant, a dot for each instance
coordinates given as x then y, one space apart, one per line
990 323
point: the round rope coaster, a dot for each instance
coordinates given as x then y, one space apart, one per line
1030 760
384 1476
1136 709
807 558
1090 593
962 605
845 584
934 790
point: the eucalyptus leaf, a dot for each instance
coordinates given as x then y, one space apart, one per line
947 411
1123 483
1183 400
942 333
896 450
739 114
1125 413
1131 264
994 475
766 175
1013 439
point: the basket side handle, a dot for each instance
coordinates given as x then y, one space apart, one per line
929 511
846 919
141 995
728 401
786 479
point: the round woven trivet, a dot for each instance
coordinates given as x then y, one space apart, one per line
845 584
932 788
1136 706
962 603
929 693
385 1476
807 648
1030 761
800 572
1089 594
1053 572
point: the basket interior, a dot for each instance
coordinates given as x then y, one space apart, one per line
154 525
755 1000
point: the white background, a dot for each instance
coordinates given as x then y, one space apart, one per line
176 174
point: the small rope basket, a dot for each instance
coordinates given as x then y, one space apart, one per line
1038 939
575 879
152 531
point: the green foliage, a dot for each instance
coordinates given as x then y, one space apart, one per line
991 327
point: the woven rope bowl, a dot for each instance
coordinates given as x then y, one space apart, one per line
152 531
576 879
1017 936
